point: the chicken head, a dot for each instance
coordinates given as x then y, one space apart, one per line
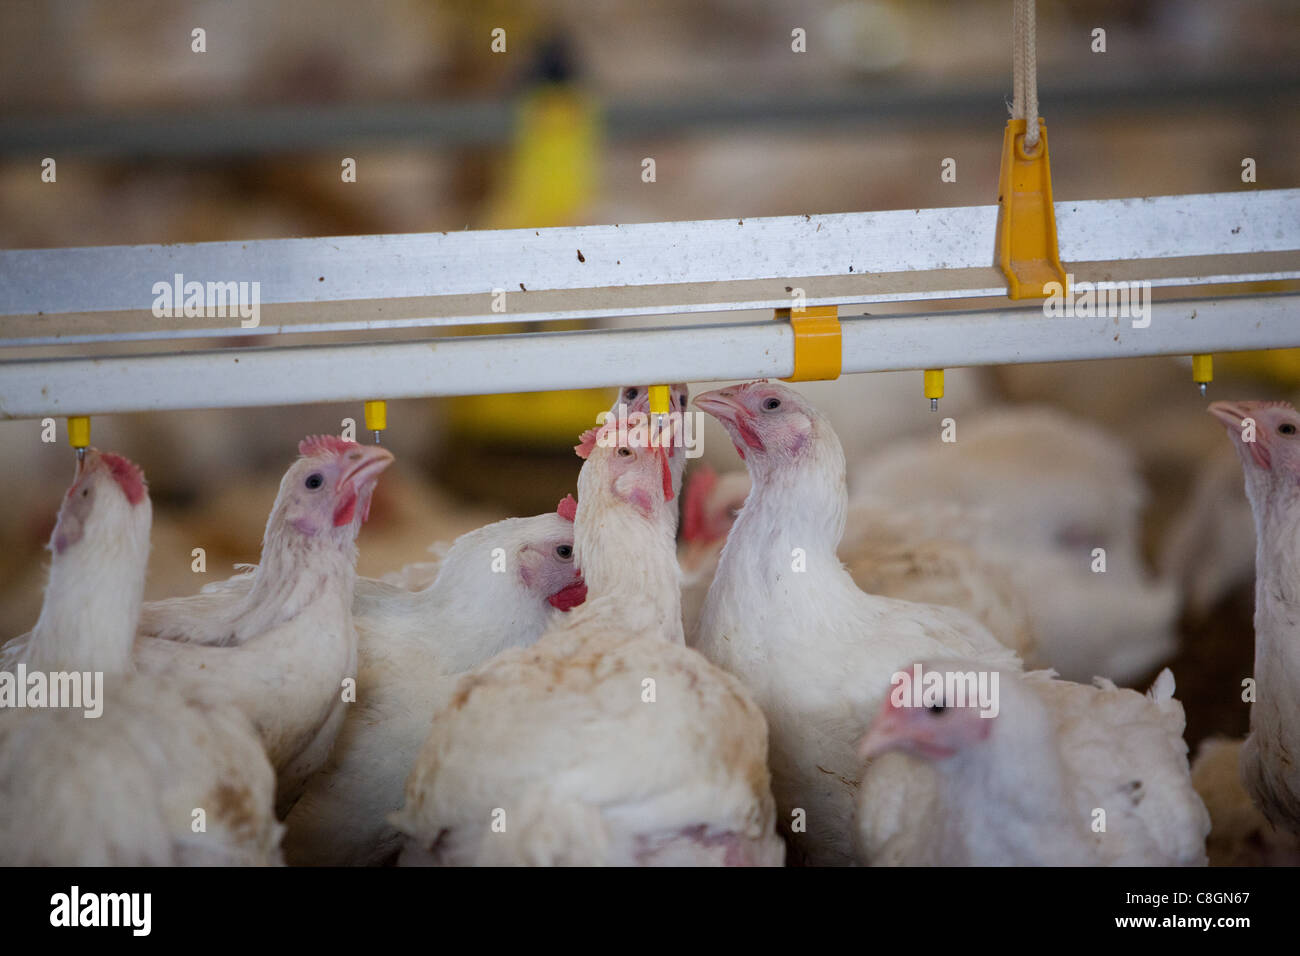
328 489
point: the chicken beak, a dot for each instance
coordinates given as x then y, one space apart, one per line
724 405
86 464
1232 415
721 404
366 469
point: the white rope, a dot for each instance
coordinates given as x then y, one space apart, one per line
1025 69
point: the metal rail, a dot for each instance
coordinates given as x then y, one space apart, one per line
66 301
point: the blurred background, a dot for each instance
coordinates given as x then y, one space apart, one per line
156 143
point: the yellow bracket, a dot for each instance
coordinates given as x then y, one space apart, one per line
79 432
1027 249
817 343
376 417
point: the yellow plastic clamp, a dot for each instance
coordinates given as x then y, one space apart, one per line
934 383
817 342
1027 249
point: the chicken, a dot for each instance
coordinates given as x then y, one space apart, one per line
100 547
1239 833
784 615
130 784
1267 438
608 741
1027 770
931 557
498 587
1048 490
417 575
924 556
232 611
283 651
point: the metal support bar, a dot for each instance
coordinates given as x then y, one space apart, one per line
606 357
68 296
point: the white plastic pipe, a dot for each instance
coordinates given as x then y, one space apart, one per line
600 358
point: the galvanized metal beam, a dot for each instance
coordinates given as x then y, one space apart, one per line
373 283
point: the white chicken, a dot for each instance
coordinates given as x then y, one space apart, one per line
1048 490
924 556
1053 773
784 615
124 787
607 741
497 587
1267 438
283 651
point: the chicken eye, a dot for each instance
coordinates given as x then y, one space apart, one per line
565 551
771 404
314 480
683 401
1286 428
630 394
625 452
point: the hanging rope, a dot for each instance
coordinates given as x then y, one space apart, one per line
1025 70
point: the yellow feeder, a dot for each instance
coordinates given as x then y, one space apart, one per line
1281 366
550 179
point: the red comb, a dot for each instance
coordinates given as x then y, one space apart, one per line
317 445
567 508
586 443
694 523
128 476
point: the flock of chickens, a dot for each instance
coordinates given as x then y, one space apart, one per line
597 686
